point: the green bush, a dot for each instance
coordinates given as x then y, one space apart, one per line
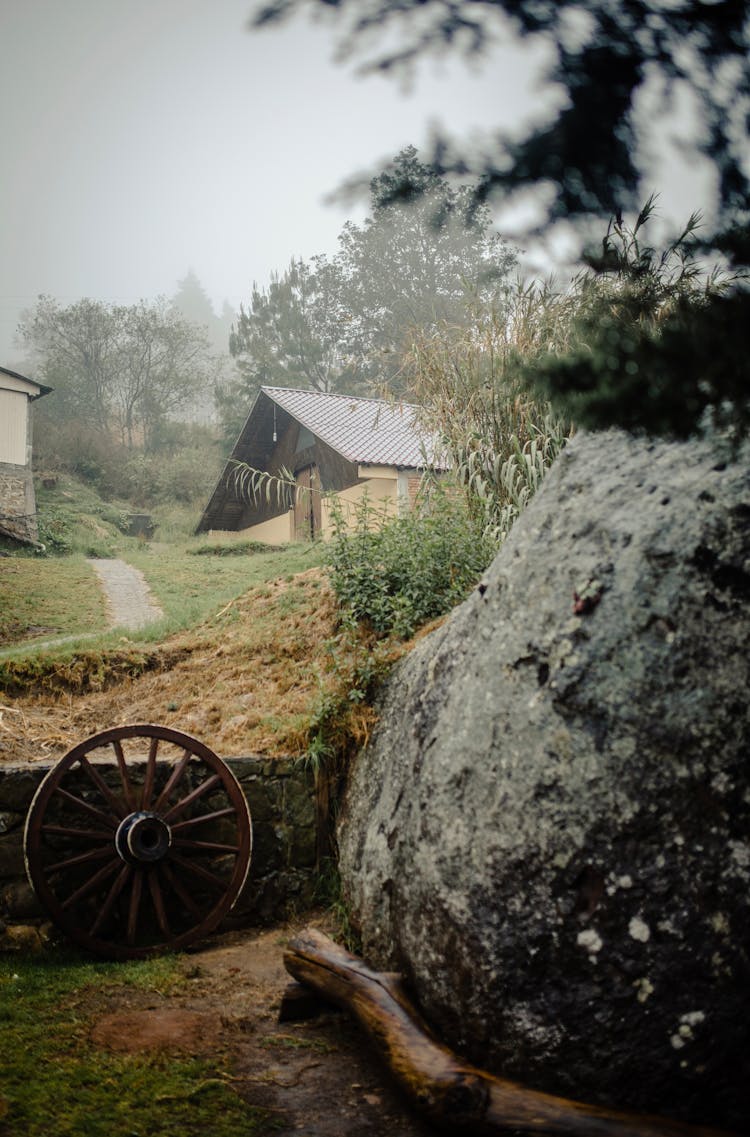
233 549
394 574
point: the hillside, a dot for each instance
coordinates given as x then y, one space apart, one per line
245 681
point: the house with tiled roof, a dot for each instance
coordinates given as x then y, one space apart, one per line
340 446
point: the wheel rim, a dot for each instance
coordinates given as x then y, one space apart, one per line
138 841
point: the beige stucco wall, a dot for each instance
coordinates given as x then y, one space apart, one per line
14 411
278 531
385 488
381 493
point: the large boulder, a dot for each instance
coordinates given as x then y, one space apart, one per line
549 833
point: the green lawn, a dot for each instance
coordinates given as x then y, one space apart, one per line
189 587
45 597
58 594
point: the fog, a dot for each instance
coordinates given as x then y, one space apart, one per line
147 139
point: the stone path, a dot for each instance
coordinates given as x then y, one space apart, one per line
129 601
129 604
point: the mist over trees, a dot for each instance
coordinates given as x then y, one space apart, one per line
123 370
345 322
620 67
127 382
193 304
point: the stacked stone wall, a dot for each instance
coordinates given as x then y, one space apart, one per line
17 505
288 836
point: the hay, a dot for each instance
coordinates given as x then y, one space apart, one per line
243 682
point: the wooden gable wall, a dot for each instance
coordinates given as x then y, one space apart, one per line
335 472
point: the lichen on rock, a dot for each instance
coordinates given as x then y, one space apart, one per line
548 833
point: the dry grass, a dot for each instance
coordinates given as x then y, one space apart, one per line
245 681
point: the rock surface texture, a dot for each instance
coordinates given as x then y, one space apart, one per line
550 831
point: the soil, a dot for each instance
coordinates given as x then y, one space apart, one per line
316 1078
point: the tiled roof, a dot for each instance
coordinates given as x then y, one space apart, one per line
369 431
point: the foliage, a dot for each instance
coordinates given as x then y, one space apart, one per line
605 55
73 519
183 471
640 318
255 485
619 68
193 304
395 573
119 370
232 549
469 381
56 1083
354 665
423 255
291 333
343 323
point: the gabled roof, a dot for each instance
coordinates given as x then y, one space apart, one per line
37 389
370 431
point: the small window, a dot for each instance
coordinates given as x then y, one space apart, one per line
305 439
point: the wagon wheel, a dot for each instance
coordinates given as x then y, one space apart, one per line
138 841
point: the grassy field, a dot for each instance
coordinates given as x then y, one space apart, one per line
55 1083
250 656
42 597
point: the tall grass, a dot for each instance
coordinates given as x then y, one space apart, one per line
499 440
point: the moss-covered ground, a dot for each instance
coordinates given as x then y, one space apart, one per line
54 1082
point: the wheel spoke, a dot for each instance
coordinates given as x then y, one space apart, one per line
197 870
123 767
84 834
80 859
92 883
92 811
182 893
119 883
174 778
148 784
117 806
180 806
206 846
180 825
158 902
99 851
135 903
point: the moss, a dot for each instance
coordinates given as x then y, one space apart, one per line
56 1084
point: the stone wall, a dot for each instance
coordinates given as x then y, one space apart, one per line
17 505
288 836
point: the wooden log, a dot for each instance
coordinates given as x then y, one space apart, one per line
451 1093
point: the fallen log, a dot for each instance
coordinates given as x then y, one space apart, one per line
451 1093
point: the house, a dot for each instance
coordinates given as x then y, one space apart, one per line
17 504
340 445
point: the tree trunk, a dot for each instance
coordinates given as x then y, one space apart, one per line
452 1094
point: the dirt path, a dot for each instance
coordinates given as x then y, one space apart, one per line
318 1078
129 601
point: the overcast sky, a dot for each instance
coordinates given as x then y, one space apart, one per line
145 138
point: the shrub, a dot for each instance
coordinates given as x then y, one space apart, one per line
396 573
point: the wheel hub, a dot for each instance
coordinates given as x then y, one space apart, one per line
143 837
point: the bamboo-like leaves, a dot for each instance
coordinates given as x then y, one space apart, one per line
261 485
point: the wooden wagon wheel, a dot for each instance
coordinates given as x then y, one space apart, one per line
138 841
